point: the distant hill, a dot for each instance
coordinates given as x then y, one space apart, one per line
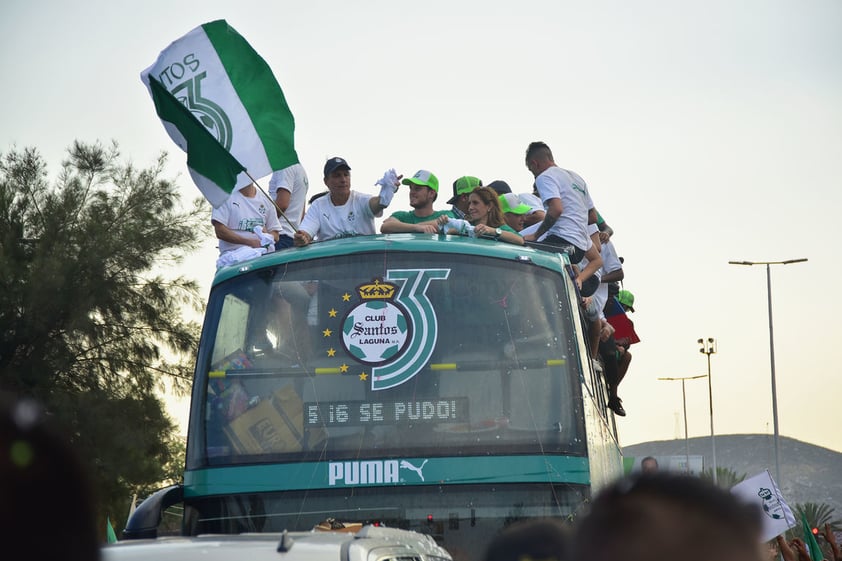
809 473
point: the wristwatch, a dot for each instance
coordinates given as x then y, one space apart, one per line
497 233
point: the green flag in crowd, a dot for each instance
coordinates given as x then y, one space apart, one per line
813 545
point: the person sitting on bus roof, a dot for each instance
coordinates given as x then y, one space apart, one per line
485 218
344 212
462 187
514 211
423 191
234 223
500 187
534 215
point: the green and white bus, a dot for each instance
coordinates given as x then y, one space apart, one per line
435 383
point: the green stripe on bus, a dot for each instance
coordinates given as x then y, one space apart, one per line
410 471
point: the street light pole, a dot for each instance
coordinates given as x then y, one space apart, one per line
708 347
684 403
772 351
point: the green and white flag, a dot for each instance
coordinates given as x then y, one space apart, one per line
231 92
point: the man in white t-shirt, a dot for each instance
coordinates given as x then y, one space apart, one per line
234 222
344 212
288 188
566 200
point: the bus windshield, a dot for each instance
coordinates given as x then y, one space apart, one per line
387 355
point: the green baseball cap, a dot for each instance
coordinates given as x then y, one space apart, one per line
423 177
510 202
626 298
463 185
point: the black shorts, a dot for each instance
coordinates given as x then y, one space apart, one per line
576 254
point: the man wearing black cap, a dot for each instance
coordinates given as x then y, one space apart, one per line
462 188
344 212
500 186
423 191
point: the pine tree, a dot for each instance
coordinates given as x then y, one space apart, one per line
89 324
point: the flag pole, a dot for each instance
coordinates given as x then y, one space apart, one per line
282 213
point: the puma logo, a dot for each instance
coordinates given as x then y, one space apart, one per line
406 465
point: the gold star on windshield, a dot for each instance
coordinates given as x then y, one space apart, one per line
363 376
346 297
343 368
331 352
327 332
332 312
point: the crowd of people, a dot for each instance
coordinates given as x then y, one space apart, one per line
558 214
650 516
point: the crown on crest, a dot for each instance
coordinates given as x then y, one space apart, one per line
377 290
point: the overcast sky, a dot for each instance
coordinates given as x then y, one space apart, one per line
707 131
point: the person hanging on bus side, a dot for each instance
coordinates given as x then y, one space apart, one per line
624 357
344 212
423 191
485 219
608 347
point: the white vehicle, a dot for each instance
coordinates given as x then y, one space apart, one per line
370 543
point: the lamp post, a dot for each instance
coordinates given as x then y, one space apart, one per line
684 403
772 350
708 347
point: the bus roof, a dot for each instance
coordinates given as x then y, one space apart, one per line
399 243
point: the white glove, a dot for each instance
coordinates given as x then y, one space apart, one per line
388 186
266 240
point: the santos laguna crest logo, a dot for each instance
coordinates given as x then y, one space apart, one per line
375 330
394 327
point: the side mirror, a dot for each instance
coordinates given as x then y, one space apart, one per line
144 521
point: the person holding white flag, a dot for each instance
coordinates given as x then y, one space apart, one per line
288 188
